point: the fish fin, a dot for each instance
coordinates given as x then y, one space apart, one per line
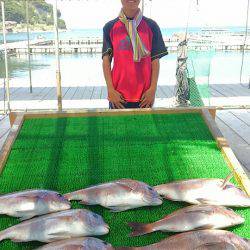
200 211
227 179
139 228
125 185
203 201
206 226
57 236
116 209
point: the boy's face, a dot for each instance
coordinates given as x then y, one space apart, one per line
130 4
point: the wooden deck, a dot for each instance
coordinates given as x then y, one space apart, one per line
96 97
234 125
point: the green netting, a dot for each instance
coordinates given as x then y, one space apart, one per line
72 153
195 96
199 64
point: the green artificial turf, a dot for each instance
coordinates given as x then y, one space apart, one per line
68 154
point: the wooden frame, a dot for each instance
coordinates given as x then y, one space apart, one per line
208 115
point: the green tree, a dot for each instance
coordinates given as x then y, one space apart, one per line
40 12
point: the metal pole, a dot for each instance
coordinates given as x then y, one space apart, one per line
244 42
28 39
6 58
58 72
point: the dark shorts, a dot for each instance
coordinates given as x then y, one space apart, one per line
128 105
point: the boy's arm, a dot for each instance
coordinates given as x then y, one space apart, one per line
148 97
114 96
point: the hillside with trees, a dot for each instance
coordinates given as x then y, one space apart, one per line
40 13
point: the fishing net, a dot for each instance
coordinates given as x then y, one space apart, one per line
199 64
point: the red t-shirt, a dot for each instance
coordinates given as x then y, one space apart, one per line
131 78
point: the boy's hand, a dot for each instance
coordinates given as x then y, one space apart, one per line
148 98
116 99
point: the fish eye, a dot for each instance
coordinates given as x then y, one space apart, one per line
150 188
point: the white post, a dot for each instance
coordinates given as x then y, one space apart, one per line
6 58
58 72
28 39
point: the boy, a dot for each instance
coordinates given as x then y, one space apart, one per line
136 45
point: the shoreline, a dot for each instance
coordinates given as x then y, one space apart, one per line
34 31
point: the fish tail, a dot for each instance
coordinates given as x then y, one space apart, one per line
139 228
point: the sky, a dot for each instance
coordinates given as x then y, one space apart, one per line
167 13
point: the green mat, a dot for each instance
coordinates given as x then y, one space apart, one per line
67 154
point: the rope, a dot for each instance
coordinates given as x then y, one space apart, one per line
244 44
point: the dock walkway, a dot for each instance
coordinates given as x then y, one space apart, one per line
96 96
94 45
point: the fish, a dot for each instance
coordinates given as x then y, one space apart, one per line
204 191
57 226
209 239
191 218
81 243
30 203
119 195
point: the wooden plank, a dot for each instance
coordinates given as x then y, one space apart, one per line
104 94
64 91
236 124
221 141
3 139
96 93
165 91
19 94
46 93
14 90
12 117
220 90
88 93
227 152
160 92
79 93
214 92
50 95
212 112
4 125
238 145
70 93
5 151
74 94
238 89
108 112
37 93
242 115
